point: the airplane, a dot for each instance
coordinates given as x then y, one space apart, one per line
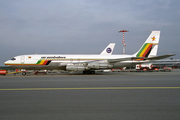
88 63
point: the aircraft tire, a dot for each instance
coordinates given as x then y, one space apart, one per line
23 73
92 72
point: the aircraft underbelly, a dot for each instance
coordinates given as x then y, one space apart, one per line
38 67
120 65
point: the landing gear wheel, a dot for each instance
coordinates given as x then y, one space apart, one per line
23 73
92 72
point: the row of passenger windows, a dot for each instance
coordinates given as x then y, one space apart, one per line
68 59
73 59
65 59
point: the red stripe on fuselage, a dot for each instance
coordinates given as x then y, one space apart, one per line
45 62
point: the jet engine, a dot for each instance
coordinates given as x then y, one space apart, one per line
98 65
75 68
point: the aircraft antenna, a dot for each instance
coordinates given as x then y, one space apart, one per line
124 45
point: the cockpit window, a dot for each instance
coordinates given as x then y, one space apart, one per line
13 59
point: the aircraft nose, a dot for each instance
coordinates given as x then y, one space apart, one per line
6 63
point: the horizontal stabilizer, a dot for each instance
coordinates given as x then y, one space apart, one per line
160 57
124 59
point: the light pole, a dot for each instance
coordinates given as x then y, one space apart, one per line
124 45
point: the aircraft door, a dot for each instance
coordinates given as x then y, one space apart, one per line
22 59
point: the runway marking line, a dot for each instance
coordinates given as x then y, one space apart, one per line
92 88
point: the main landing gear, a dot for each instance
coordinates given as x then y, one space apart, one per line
23 73
89 72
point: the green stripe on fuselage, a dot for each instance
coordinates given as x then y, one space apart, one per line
38 62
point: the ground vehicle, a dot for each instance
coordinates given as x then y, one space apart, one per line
3 72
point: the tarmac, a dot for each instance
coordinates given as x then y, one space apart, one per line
103 96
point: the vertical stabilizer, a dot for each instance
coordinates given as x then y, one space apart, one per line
108 50
150 47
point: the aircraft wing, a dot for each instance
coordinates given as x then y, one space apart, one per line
124 59
85 62
160 57
112 60
135 58
129 59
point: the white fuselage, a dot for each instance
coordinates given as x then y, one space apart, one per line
60 61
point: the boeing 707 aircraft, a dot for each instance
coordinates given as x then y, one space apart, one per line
88 63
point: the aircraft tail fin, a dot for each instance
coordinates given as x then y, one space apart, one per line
150 46
108 50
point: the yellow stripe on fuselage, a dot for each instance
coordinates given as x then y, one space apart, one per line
42 62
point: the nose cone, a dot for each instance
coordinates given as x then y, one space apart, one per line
7 62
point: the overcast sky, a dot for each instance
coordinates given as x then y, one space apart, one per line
86 26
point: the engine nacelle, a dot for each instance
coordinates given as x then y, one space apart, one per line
97 65
75 68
